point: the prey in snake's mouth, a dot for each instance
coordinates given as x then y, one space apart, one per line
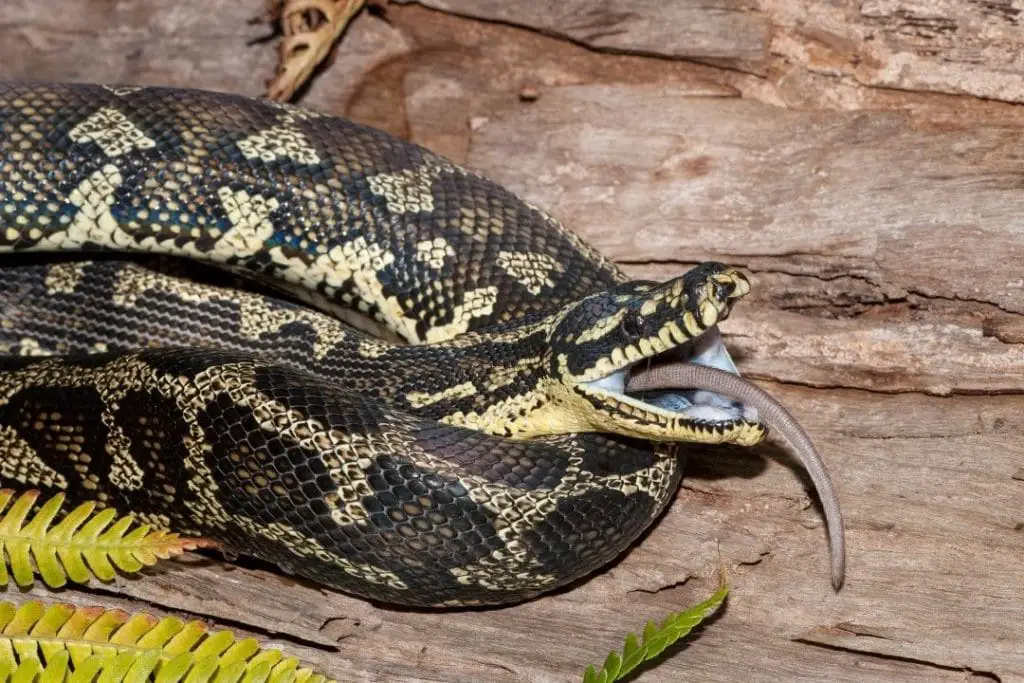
695 414
641 326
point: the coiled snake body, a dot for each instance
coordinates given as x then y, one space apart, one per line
463 466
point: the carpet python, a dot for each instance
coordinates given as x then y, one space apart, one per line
458 430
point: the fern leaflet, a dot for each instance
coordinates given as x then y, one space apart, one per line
64 643
84 543
654 640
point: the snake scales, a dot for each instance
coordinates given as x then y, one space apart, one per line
465 465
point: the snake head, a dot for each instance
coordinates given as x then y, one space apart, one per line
601 338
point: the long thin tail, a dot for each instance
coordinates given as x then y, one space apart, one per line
772 413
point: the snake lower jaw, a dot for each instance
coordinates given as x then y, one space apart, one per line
633 418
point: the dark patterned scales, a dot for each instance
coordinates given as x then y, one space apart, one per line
327 484
379 468
367 221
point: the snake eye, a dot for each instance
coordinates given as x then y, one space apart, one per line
632 323
722 290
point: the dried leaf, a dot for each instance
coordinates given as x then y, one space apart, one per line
310 29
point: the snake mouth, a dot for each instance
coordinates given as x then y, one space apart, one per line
695 414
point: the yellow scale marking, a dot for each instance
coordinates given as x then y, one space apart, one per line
421 399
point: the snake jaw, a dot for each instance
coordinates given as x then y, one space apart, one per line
659 324
695 416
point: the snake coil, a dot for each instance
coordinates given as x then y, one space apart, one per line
438 442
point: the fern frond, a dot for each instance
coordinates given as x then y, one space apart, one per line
654 640
85 543
64 643
58 669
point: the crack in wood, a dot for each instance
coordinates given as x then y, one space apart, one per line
883 288
949 392
602 27
221 620
494 665
895 658
342 627
1003 9
661 589
860 630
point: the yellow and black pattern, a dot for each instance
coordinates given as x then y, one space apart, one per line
324 482
399 472
524 379
312 200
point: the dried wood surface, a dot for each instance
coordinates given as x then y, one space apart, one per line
864 160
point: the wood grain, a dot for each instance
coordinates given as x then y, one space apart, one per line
851 155
683 28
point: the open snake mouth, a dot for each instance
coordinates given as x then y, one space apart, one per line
695 414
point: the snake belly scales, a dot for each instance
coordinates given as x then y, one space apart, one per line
463 435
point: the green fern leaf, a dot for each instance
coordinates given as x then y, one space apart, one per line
58 669
612 665
84 543
62 643
592 676
654 640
